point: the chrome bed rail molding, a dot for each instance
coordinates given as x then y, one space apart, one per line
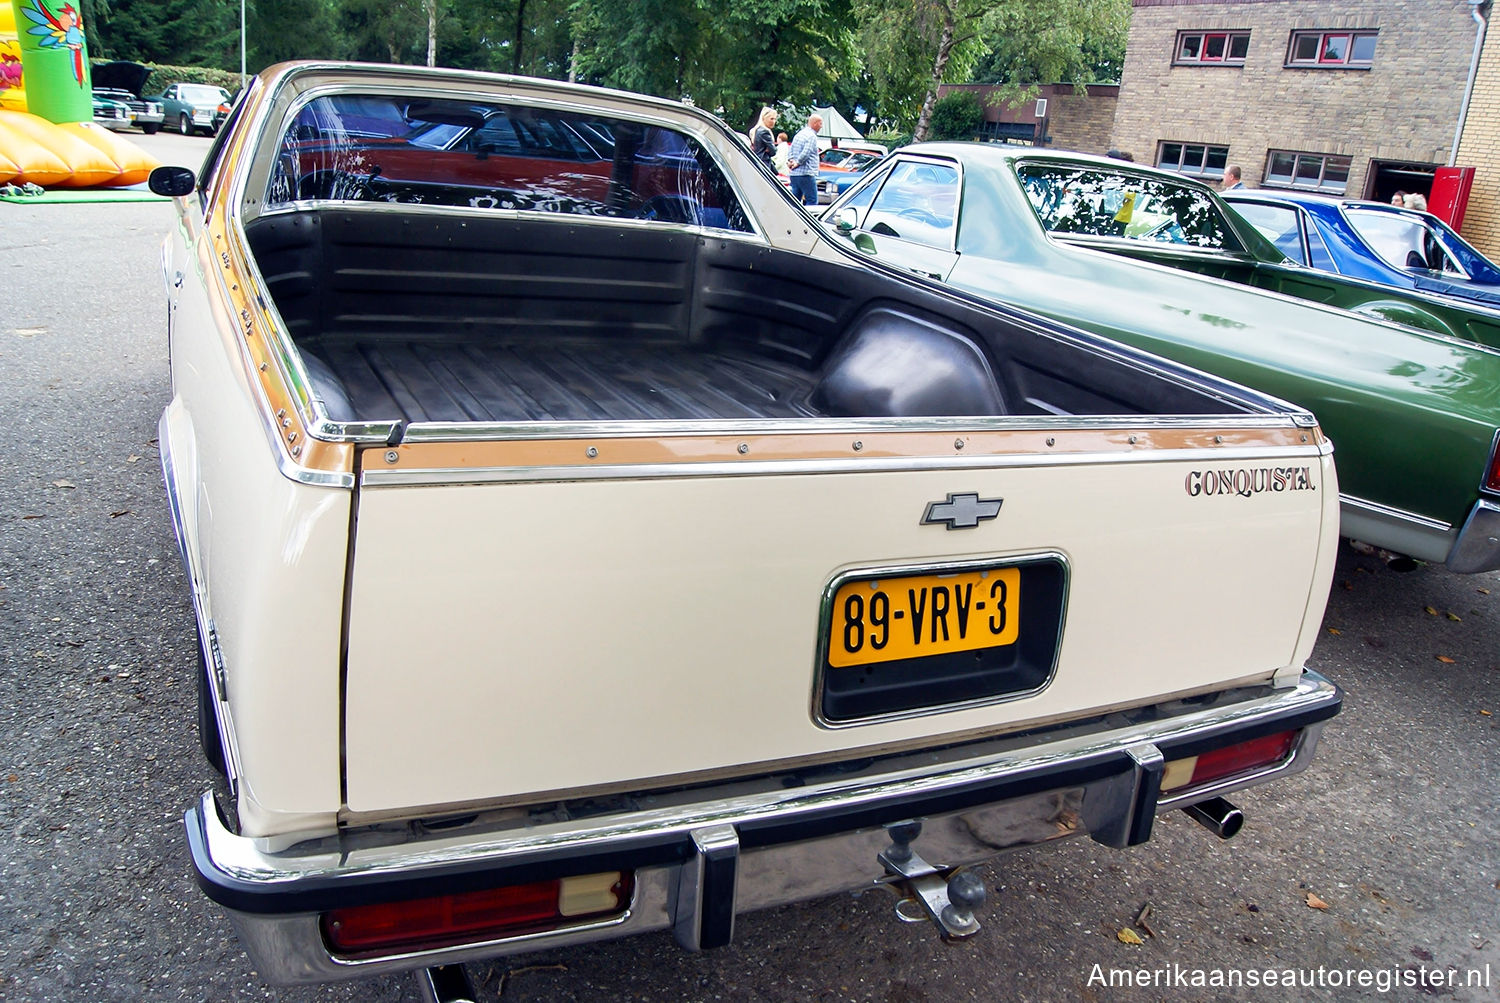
1103 775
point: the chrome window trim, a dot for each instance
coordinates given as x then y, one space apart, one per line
882 173
826 614
958 198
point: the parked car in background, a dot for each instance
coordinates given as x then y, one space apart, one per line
193 108
853 145
143 114
839 169
123 81
1371 240
113 115
1159 262
484 452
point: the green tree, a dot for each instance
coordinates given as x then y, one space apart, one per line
180 32
732 60
278 30
956 115
913 46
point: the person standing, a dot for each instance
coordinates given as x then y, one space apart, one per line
802 161
1232 178
783 149
762 139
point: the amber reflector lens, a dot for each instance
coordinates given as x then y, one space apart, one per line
1232 759
469 917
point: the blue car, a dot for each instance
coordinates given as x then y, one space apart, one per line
838 170
1371 240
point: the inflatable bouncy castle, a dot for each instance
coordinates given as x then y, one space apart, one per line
47 133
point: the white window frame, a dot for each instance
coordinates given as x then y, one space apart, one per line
1298 156
1348 62
1202 170
1202 59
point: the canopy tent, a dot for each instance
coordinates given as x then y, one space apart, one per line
836 126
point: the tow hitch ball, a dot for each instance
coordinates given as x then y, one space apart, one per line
946 897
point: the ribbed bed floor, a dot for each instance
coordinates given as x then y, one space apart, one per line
568 381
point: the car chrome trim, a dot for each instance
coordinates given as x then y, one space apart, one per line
795 841
1389 512
1478 545
382 477
825 620
1399 531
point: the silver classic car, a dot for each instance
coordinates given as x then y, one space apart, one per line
583 543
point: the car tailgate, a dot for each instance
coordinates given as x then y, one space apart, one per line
518 628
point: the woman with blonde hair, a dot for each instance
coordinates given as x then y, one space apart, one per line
762 139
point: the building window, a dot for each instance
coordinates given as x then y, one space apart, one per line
1331 49
1197 159
1318 172
1211 48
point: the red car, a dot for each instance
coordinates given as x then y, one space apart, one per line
491 156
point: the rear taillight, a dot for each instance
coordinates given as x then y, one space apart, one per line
474 917
1492 480
1231 760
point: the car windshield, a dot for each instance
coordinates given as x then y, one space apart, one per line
1098 202
369 147
1403 241
203 93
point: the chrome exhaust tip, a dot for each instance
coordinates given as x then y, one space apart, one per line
1217 816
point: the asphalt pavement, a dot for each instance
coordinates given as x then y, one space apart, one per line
1383 858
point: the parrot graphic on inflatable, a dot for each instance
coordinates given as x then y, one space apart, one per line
63 30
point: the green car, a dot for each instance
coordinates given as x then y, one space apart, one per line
1158 261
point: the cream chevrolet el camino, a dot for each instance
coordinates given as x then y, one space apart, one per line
583 544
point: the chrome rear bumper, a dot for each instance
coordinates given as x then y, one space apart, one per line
702 855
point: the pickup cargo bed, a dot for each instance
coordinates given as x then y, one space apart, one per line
408 315
579 380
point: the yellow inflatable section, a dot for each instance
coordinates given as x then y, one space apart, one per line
70 155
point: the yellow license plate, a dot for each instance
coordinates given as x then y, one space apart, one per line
888 619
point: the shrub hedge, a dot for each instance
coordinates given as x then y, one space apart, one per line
163 76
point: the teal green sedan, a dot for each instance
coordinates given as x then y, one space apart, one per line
1158 261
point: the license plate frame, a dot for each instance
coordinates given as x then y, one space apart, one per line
916 679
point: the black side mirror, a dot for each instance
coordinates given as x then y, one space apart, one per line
173 181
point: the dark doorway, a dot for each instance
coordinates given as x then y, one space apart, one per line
1387 177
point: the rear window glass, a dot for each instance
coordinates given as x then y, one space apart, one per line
1090 202
366 147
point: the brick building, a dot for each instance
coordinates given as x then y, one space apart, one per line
1072 118
1480 149
1356 97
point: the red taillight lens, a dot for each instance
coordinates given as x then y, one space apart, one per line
471 917
1232 759
1493 480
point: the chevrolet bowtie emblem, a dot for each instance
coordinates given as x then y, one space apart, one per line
962 511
